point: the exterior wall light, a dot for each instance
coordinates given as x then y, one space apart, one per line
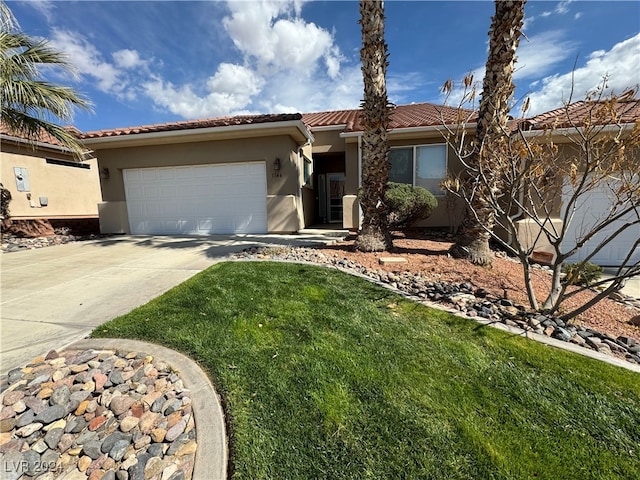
276 164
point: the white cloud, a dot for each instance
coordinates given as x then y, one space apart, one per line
538 54
88 61
287 65
563 7
128 59
272 35
44 7
621 64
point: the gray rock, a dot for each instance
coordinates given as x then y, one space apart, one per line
92 449
31 462
119 405
39 379
118 450
156 406
115 377
76 425
53 437
11 465
25 419
51 414
110 475
122 475
177 443
65 442
49 459
114 438
155 449
86 437
136 472
60 396
79 396
85 356
15 375
561 334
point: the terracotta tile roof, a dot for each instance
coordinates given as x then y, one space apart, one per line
403 116
43 137
575 114
194 124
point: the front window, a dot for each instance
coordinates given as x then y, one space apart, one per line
423 166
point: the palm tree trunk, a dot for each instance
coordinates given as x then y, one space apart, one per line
375 113
491 133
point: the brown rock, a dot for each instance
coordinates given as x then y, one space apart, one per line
188 448
96 475
158 434
174 418
65 442
119 405
137 409
148 421
84 462
45 393
82 408
5 437
96 464
83 367
12 397
100 379
635 321
129 423
97 422
108 464
176 430
28 429
7 412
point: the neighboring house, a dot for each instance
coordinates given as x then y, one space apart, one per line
259 173
565 127
46 182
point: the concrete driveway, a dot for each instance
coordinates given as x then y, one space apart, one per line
53 296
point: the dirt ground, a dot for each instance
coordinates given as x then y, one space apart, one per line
429 257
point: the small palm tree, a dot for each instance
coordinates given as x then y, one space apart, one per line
30 104
374 117
491 133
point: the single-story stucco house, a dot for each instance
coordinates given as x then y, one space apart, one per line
269 173
258 173
46 182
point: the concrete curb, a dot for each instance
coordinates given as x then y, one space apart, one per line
553 342
212 456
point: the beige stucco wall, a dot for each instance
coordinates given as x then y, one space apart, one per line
282 186
71 192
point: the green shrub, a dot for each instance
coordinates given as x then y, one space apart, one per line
408 204
582 274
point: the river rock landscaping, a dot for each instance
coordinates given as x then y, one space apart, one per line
465 297
96 414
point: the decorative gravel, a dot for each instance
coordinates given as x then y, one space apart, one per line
465 298
96 414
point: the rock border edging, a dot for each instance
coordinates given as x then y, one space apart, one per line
212 454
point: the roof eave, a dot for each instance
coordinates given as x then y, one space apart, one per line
296 128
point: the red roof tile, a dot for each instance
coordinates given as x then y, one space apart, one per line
43 137
402 116
575 114
194 124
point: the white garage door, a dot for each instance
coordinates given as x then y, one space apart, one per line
197 200
591 207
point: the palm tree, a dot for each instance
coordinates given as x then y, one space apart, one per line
30 104
374 235
491 134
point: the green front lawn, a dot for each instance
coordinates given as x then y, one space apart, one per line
325 375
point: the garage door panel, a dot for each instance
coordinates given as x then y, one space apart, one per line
204 199
591 209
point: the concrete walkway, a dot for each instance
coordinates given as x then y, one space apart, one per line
53 296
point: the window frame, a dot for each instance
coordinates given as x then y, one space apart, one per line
415 159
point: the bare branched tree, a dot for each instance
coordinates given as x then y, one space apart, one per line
585 153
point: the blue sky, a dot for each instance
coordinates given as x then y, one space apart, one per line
161 61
